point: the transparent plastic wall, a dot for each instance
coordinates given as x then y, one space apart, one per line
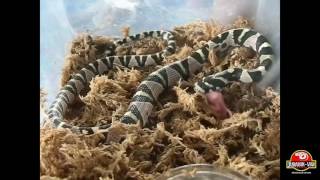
61 20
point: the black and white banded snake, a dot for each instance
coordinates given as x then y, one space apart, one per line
157 82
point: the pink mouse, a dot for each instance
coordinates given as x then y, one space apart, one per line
217 105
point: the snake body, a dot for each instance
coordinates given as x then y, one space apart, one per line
157 82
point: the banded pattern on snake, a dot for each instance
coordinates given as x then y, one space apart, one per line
157 82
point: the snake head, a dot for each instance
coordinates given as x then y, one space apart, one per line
217 105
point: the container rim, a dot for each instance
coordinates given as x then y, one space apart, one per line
203 168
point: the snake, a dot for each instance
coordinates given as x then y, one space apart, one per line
148 91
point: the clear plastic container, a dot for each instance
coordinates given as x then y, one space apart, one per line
61 20
202 172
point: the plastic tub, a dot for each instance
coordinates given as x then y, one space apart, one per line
202 172
62 20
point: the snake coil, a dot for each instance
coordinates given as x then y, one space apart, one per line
157 82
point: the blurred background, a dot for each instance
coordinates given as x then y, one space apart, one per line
61 20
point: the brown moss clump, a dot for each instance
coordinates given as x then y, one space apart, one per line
182 129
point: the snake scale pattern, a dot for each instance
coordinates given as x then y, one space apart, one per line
157 82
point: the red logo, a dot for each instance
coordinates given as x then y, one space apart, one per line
301 160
